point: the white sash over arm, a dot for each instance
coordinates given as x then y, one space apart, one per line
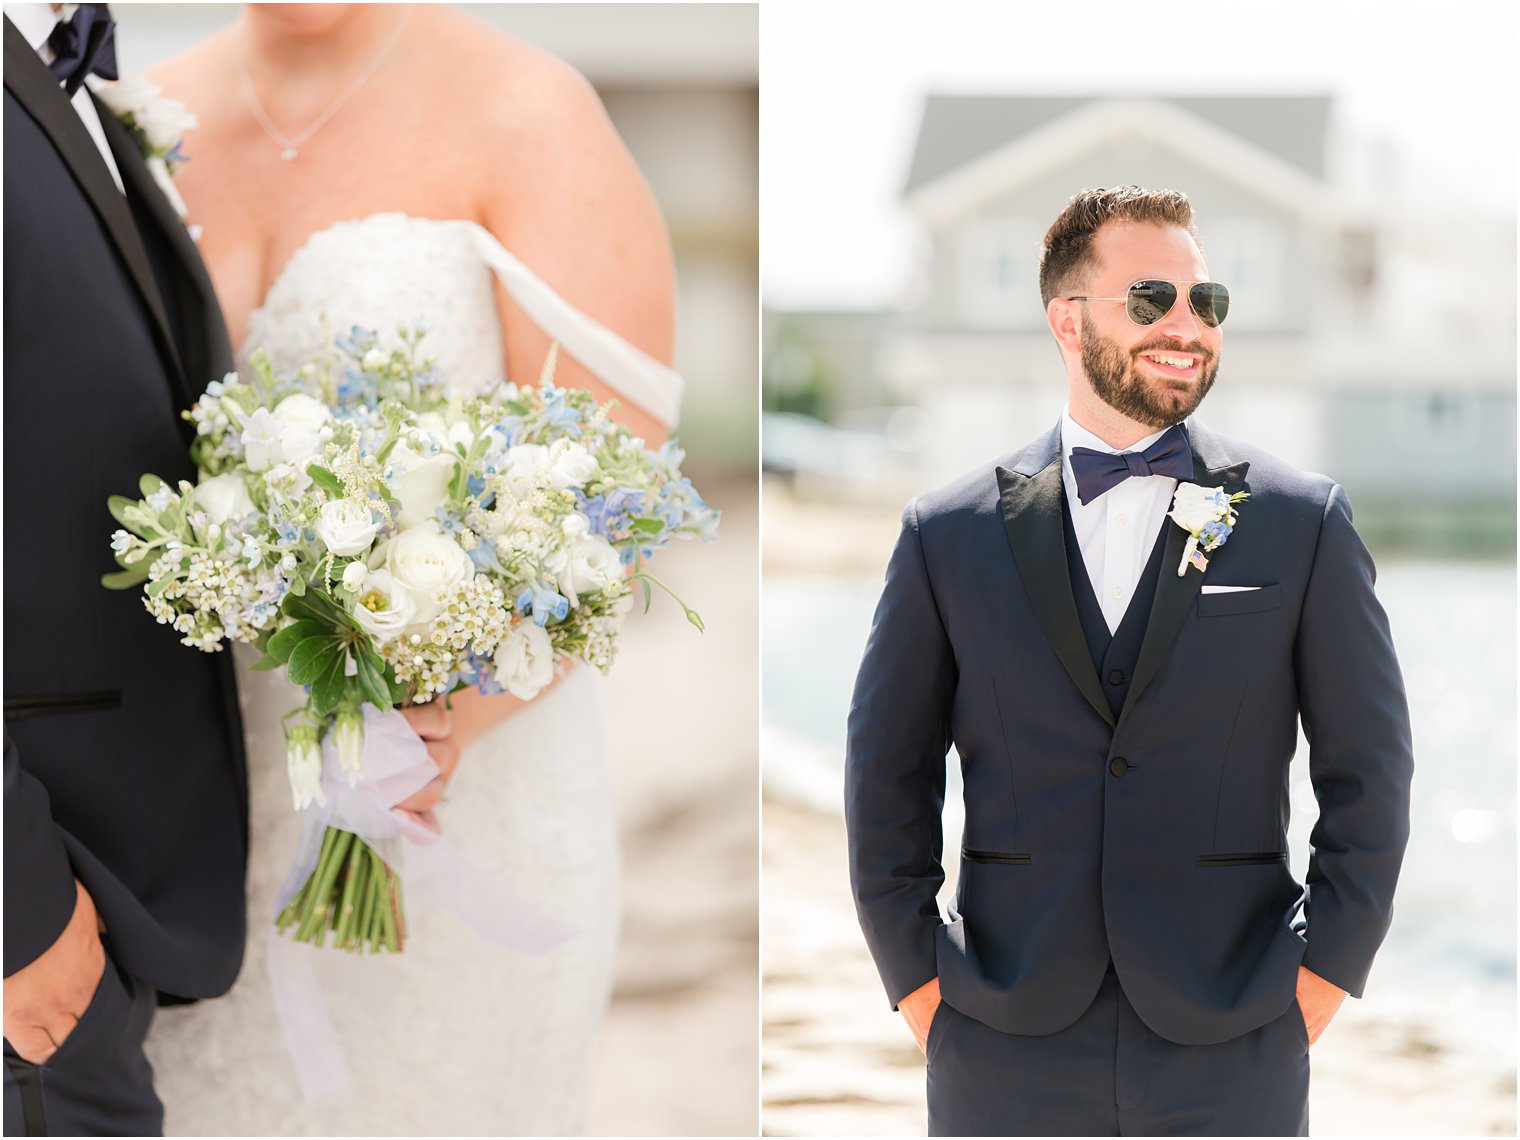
653 386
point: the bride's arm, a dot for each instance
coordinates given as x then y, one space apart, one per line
562 193
559 190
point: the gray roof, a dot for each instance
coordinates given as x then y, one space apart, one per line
959 128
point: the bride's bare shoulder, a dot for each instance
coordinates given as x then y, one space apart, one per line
516 87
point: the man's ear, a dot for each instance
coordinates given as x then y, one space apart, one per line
1064 318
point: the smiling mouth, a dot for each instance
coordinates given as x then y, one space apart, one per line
1173 365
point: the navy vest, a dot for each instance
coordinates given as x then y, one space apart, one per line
1113 654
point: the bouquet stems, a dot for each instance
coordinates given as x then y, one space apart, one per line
351 893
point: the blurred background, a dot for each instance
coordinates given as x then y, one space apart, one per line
1352 166
680 82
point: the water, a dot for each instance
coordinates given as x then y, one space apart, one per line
1452 945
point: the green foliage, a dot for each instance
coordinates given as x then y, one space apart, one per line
126 579
325 479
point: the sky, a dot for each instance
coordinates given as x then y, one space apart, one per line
843 83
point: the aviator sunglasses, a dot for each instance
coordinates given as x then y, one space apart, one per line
1147 302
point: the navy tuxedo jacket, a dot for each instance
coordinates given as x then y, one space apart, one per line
123 748
1154 838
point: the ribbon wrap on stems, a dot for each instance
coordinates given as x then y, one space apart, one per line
396 764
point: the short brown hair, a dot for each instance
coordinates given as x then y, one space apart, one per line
1067 250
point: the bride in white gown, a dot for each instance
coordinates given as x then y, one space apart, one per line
455 1036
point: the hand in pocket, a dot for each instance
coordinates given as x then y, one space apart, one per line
45 999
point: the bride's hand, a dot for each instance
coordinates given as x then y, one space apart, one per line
434 723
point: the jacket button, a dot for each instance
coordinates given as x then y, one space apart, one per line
1118 766
1116 678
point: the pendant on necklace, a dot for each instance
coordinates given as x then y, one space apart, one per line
288 154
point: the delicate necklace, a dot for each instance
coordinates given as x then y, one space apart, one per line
290 144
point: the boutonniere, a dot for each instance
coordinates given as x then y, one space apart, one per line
157 123
1208 515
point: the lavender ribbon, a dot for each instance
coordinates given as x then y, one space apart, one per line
396 764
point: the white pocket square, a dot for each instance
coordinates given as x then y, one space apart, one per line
1228 589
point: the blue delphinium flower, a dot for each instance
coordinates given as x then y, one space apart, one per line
511 428
358 341
479 672
485 558
610 513
560 414
543 604
1214 534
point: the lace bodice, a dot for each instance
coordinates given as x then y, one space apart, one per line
385 271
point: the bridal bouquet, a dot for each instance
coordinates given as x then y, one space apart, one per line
386 542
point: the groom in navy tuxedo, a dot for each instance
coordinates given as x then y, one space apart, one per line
125 815
1128 952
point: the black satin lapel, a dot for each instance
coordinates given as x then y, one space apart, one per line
1176 595
36 89
207 352
1031 507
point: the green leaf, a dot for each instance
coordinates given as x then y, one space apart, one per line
126 579
372 686
266 663
325 479
318 606
118 505
157 588
648 594
647 525
298 585
312 657
327 689
149 484
283 643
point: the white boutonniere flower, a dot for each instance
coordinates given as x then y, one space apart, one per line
1208 515
157 123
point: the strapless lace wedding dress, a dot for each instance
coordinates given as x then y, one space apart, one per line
455 1036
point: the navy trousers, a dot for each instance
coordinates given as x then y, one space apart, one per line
1109 1075
99 1082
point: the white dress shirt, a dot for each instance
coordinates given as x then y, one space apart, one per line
36 23
1117 530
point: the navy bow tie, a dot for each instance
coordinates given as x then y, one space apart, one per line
84 45
1100 471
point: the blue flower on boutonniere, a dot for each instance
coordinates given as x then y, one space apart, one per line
1208 515
156 122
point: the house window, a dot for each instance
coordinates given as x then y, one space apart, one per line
1249 256
999 264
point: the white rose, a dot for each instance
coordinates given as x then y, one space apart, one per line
570 464
1195 507
585 565
423 561
385 608
527 464
575 526
419 483
301 421
525 661
346 527
224 497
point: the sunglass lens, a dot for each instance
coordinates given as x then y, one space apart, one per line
1149 301
1211 301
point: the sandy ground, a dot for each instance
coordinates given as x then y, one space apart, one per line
680 1050
837 1062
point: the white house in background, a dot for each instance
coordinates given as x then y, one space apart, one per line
1356 331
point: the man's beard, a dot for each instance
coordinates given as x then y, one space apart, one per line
1115 376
